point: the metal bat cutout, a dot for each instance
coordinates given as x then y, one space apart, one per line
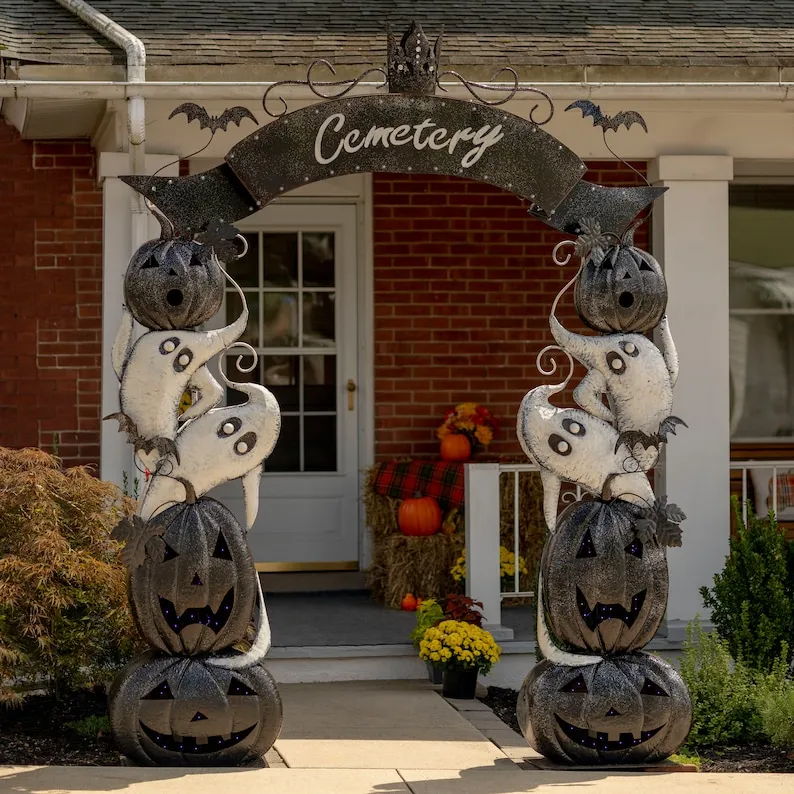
624 117
214 123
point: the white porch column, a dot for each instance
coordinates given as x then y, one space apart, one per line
690 239
481 483
115 453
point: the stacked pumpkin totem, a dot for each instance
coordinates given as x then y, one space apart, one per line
193 699
597 697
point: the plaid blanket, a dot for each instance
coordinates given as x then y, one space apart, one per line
440 479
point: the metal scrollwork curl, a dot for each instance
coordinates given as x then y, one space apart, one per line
470 85
315 85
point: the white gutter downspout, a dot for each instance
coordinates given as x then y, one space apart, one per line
136 104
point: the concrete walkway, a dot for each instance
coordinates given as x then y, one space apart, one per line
380 738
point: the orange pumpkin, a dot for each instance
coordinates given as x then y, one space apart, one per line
419 516
409 603
455 447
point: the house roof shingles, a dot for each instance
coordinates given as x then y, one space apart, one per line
727 33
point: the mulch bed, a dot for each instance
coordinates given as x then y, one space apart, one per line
730 759
35 734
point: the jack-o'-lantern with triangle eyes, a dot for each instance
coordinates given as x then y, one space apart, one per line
604 588
171 711
198 596
621 289
173 284
632 708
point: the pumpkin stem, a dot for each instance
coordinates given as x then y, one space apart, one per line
190 491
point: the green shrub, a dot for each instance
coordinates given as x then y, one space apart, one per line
64 620
752 601
90 727
428 613
777 716
726 695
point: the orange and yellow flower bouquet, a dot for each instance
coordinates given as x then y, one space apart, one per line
474 421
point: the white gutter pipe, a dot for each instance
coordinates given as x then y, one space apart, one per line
136 105
201 90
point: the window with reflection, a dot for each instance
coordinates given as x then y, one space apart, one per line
289 280
761 313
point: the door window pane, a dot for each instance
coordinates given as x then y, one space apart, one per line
280 319
319 322
318 259
286 455
245 271
319 443
234 307
762 312
319 383
280 257
234 397
281 376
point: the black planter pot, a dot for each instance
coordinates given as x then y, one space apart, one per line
434 674
460 684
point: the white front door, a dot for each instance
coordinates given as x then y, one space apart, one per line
299 278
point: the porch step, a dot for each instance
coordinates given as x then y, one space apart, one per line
313 582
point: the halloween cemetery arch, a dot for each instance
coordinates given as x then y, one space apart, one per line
603 584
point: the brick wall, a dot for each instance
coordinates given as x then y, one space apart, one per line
463 285
50 302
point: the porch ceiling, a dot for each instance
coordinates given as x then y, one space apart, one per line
727 33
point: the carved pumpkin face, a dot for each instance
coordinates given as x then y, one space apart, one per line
170 711
173 284
623 291
625 709
199 597
605 590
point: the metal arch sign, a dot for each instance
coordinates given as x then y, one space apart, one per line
398 133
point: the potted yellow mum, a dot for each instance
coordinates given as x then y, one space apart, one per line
463 651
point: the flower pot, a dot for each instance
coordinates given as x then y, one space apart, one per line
434 674
460 684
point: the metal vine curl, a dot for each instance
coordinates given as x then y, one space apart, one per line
469 85
314 85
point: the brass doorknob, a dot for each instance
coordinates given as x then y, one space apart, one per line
351 387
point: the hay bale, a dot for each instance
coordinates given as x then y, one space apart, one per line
418 565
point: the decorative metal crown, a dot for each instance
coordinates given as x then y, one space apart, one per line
412 64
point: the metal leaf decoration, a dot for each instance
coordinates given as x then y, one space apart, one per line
221 236
591 239
140 538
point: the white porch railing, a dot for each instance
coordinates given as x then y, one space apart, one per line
483 536
763 475
482 512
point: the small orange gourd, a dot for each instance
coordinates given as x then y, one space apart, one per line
455 447
419 516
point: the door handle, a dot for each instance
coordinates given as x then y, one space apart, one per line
351 388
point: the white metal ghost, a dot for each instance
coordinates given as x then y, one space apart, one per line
569 444
154 372
221 445
638 378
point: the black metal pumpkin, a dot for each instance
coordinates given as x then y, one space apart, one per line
621 289
199 596
173 284
633 708
605 591
171 711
